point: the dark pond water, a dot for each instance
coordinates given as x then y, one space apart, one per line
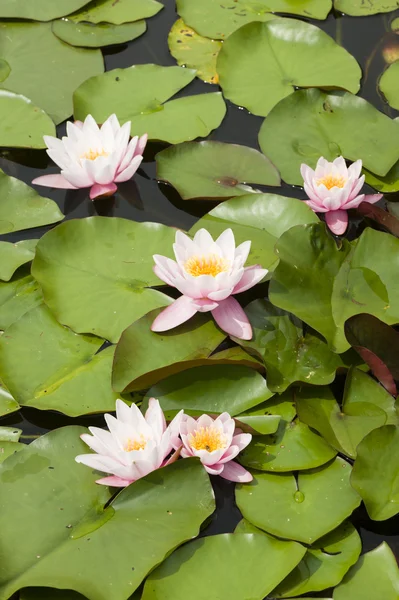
144 199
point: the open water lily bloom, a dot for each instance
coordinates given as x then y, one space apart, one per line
333 188
134 446
208 273
216 442
94 157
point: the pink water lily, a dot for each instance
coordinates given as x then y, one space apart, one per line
216 442
134 446
333 188
208 273
94 157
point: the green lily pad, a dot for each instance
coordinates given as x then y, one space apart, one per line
4 69
40 10
359 8
47 366
375 576
261 218
311 123
281 405
62 67
95 272
89 35
211 389
49 594
389 83
375 474
174 500
324 564
122 11
22 124
289 355
236 355
8 449
294 447
21 294
387 184
140 93
262 63
7 403
194 51
231 565
21 207
10 434
143 358
303 510
360 388
214 169
216 20
13 256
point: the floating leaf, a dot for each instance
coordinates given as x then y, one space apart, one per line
17 297
375 576
387 184
8 449
89 35
10 434
231 565
13 256
7 403
214 169
216 20
142 357
62 67
360 8
375 474
194 51
324 564
389 82
122 11
311 123
211 389
261 218
360 388
302 510
40 10
262 63
22 124
47 366
140 93
21 207
49 594
174 500
95 272
282 405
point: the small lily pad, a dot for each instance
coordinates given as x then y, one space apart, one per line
13 256
389 83
10 434
22 124
89 35
8 449
122 11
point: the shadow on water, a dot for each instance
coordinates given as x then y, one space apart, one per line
145 199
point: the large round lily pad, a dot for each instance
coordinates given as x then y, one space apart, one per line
214 169
311 123
88 35
17 296
22 124
389 84
40 10
360 8
302 509
261 218
262 63
122 11
140 93
95 272
62 67
112 549
13 256
231 565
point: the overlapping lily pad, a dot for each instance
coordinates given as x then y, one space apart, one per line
311 123
62 67
231 565
40 10
384 184
22 124
17 296
194 51
95 272
21 207
7 403
302 509
359 8
214 169
140 94
389 84
175 500
13 256
9 448
261 218
262 63
122 11
88 35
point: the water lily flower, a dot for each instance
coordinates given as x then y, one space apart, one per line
94 157
333 188
216 442
208 273
134 446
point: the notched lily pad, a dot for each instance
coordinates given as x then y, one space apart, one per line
13 256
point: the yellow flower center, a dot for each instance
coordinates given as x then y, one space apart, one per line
207 438
93 154
138 444
331 181
206 265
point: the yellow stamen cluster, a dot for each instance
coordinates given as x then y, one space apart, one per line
207 438
331 181
132 445
93 154
206 265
